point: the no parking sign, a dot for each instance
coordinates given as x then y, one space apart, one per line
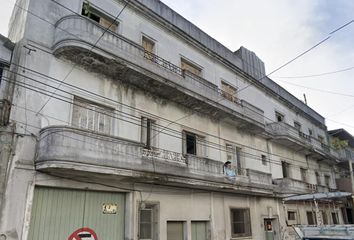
83 234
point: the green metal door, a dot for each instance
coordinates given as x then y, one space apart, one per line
199 230
58 213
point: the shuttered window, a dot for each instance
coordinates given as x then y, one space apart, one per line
199 230
229 92
175 230
91 116
148 222
188 66
149 47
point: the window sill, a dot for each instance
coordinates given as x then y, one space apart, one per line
238 238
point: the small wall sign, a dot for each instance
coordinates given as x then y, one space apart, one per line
109 208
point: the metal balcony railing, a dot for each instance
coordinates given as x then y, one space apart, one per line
73 30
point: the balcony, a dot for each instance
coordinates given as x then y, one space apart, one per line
291 186
289 136
120 58
79 153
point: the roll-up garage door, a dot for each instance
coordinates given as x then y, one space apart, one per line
66 214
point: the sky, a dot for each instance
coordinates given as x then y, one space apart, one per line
277 31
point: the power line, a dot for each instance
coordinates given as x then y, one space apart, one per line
318 74
69 101
319 90
255 157
89 53
300 55
170 121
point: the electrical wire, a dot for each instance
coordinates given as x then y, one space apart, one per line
318 74
316 89
170 121
255 157
89 53
202 143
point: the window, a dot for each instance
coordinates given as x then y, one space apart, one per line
324 217
310 133
291 215
233 154
318 178
193 144
303 172
279 117
190 67
264 160
327 180
240 223
148 222
98 17
228 91
175 230
311 218
1 71
297 125
148 133
335 219
149 47
285 166
199 230
92 116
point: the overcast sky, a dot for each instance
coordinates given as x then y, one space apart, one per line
277 31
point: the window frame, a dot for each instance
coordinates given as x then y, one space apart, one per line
192 65
281 115
148 133
313 216
227 95
335 213
200 147
297 125
249 223
77 101
264 159
292 221
99 13
303 173
285 169
155 210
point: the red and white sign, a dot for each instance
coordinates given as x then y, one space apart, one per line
83 234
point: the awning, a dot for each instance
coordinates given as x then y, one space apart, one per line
318 196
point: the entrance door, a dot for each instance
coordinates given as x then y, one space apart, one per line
59 214
269 229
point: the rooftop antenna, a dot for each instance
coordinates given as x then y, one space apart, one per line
305 100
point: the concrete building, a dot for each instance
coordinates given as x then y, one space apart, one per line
345 180
122 117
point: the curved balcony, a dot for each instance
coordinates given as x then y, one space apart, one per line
80 153
120 58
289 136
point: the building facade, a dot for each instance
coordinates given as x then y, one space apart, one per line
122 117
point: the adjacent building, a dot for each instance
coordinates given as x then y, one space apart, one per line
122 116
